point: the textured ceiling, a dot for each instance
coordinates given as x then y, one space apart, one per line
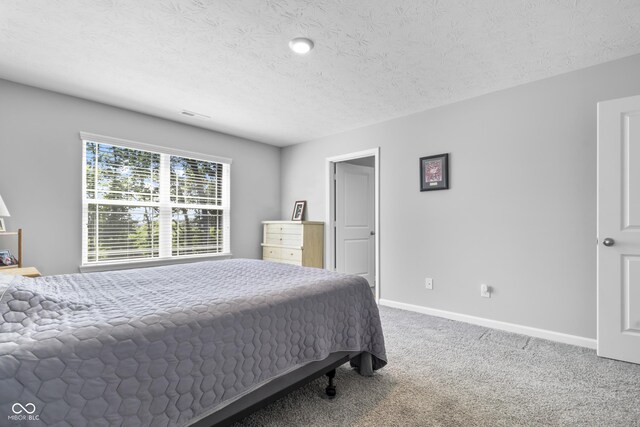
374 60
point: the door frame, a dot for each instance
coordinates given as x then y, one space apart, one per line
330 208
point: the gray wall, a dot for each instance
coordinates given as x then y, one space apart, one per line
369 162
41 164
520 214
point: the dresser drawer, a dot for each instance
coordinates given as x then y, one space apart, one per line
291 255
271 253
283 239
284 229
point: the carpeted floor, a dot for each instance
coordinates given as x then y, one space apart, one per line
447 373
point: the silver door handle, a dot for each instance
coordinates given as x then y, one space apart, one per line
608 241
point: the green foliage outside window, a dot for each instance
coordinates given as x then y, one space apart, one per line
123 203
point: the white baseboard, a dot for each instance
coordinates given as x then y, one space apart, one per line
495 324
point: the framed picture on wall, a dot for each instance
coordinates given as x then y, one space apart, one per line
298 210
434 172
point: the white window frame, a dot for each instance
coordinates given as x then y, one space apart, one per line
165 256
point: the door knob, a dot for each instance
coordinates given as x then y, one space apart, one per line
373 233
608 241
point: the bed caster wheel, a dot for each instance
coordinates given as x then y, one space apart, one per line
331 388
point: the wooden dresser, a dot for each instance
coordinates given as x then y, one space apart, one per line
294 242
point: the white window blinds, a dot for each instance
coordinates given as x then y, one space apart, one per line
145 202
196 199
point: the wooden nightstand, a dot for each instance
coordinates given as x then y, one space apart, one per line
26 272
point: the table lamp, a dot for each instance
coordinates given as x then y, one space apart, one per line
3 212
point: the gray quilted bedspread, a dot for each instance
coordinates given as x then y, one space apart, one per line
167 345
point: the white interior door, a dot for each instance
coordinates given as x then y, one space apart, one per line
355 243
619 229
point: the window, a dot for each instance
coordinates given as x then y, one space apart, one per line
142 202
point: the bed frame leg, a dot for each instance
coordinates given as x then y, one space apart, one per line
331 388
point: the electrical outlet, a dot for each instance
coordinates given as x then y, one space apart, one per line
485 291
428 283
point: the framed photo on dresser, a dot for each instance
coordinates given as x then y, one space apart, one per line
298 210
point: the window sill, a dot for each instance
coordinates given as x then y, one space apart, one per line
108 266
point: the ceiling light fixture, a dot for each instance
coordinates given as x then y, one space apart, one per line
301 45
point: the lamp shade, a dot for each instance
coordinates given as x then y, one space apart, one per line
3 208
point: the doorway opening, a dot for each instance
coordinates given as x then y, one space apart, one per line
353 215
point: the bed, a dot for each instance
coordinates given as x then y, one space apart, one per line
192 344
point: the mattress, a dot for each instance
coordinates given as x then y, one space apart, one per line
168 345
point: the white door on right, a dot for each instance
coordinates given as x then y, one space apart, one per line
619 229
355 242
